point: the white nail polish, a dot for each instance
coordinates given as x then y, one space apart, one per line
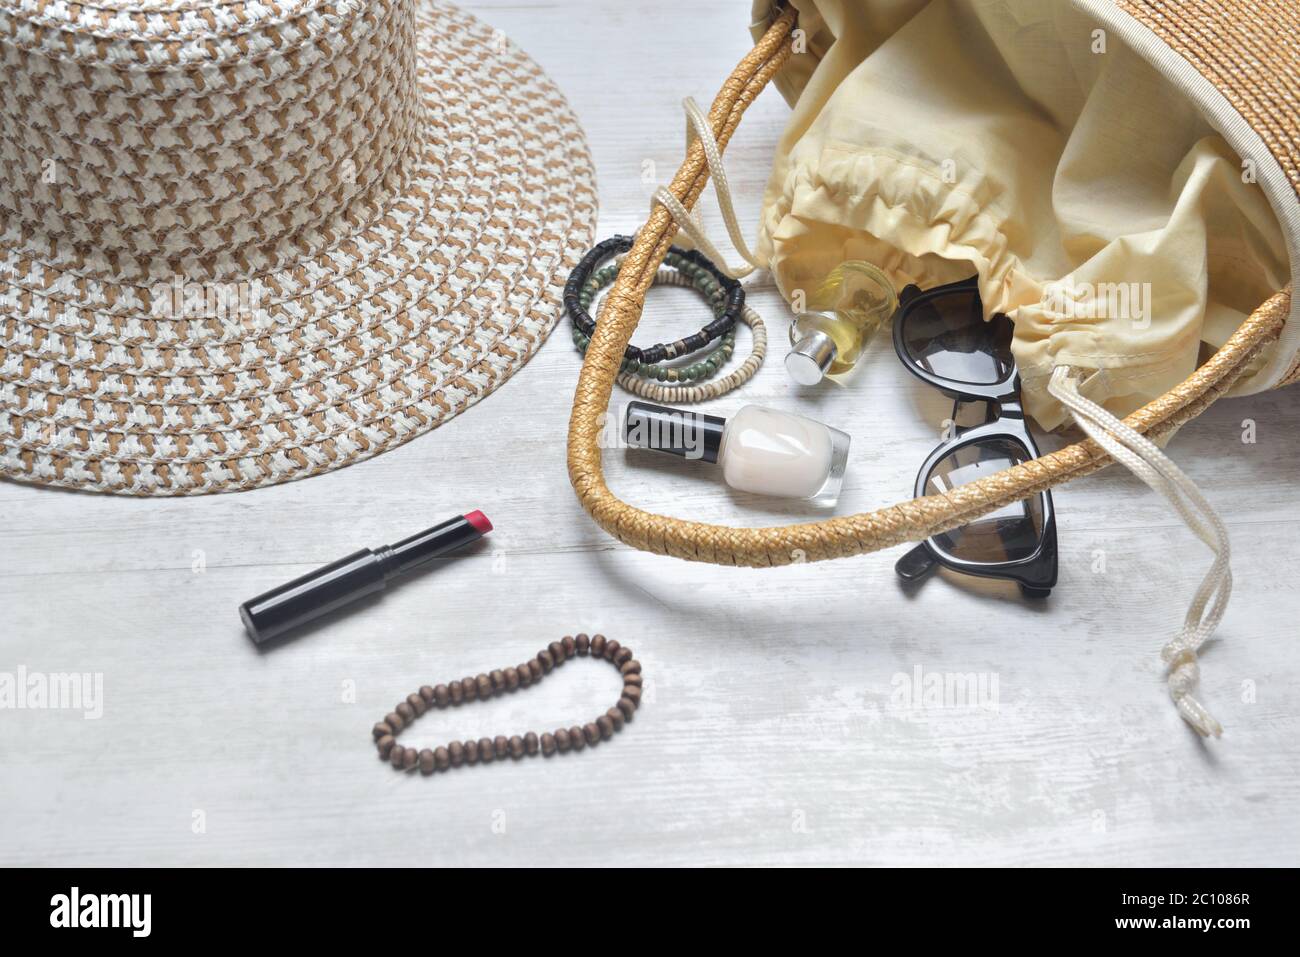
760 450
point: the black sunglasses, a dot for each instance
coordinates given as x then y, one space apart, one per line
942 338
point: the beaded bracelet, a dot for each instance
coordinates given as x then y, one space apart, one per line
484 686
703 392
690 262
705 367
679 389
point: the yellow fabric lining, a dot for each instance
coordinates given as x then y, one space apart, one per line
1012 138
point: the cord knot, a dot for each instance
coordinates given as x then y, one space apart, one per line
1141 456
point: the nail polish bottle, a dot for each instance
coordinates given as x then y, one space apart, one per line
760 450
843 313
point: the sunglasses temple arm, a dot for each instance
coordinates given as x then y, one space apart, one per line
916 564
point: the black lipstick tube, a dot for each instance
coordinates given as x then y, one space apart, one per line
362 573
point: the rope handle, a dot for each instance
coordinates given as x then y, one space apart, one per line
849 535
687 220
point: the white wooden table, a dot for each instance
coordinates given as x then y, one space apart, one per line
774 729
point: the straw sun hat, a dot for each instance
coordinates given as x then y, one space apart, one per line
248 242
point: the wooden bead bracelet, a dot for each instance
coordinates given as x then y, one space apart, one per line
484 686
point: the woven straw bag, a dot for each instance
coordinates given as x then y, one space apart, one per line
1245 54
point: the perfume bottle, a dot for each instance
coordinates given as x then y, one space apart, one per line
843 313
760 450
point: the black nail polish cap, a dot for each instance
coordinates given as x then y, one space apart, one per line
690 435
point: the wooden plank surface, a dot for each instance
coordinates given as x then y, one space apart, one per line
774 728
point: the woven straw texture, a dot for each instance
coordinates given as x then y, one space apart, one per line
849 535
250 242
1250 51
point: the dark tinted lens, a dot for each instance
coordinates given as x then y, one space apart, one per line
1007 535
948 337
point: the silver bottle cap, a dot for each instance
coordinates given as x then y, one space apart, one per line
811 356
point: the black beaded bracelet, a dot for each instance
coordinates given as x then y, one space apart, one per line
733 291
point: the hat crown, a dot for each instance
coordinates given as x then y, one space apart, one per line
150 138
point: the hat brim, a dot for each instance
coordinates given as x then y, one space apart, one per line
424 300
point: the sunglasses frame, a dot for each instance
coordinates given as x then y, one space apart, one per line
1036 574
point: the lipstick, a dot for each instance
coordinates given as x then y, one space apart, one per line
362 573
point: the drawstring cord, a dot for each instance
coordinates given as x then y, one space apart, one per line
1123 444
1141 456
690 223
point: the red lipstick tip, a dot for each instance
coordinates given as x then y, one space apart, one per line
479 521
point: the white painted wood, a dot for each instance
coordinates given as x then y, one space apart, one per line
770 732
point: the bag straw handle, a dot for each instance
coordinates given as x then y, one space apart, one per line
849 535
